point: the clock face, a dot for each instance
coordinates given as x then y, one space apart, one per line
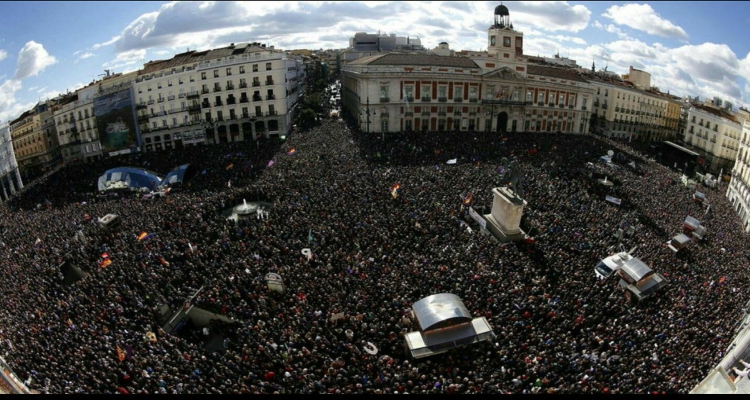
506 42
492 40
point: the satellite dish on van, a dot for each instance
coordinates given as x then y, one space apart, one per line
610 153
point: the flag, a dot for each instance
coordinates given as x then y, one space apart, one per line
191 247
104 255
532 151
38 243
86 217
120 354
406 99
309 236
468 199
230 166
105 263
271 163
292 152
452 161
149 236
142 235
163 261
395 190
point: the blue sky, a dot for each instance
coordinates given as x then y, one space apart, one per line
690 48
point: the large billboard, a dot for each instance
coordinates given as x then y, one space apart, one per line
115 120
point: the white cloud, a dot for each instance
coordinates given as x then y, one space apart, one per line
3 55
125 59
84 56
32 59
611 29
9 108
643 18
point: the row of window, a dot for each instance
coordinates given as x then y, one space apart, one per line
504 93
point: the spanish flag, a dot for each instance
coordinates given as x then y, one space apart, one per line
292 152
120 354
142 235
395 190
105 263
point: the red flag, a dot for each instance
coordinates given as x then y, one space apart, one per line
104 255
120 354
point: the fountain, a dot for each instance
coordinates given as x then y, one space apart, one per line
243 210
606 182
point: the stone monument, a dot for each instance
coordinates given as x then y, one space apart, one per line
505 218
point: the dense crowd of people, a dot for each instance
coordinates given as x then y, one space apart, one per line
374 252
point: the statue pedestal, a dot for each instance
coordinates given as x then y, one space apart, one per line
505 218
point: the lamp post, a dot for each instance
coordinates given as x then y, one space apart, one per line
491 114
367 113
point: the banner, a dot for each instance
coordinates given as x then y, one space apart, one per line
476 217
614 200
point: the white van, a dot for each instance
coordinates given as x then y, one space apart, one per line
609 265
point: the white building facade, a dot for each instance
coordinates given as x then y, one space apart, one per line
738 191
236 93
715 135
10 178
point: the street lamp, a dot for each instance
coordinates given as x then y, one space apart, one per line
491 114
367 113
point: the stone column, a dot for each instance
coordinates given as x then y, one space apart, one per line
505 219
18 178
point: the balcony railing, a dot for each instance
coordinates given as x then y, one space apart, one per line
273 112
473 99
231 101
206 104
150 102
170 97
218 103
204 91
230 87
243 85
385 100
257 98
442 99
271 97
269 82
408 114
457 113
256 83
245 115
160 100
244 100
425 113
458 99
217 89
426 98
441 113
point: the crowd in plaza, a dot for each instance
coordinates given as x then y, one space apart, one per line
374 252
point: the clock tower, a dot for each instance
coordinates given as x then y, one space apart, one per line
503 42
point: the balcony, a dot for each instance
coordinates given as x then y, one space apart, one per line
561 105
150 102
269 82
584 108
604 106
409 98
472 113
441 113
232 117
217 89
170 97
258 114
160 100
551 104
571 106
245 115
219 119
457 113
385 99
140 105
408 114
243 85
256 83
194 109
244 100
257 98
182 95
271 97
206 104
231 100
230 87
442 99
425 113
426 98
541 103
473 99
272 112
458 99
218 103
204 91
